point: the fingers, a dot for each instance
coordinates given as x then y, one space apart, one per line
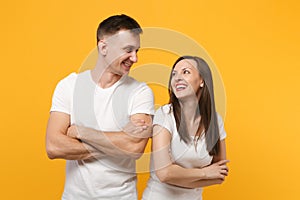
141 124
137 130
222 162
136 126
224 172
73 131
222 177
218 170
219 181
138 121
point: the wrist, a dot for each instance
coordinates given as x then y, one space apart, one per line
202 174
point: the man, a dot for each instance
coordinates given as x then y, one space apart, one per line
101 119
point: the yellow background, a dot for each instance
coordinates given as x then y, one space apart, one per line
255 45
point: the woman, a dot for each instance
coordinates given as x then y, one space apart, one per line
188 144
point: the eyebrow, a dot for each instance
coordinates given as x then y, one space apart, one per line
183 68
131 47
186 68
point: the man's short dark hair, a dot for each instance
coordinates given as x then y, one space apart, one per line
116 23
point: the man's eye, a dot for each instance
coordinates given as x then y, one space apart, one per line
128 50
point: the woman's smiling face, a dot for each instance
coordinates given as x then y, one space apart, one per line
186 79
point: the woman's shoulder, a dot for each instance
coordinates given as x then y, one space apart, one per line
219 118
165 109
221 127
164 118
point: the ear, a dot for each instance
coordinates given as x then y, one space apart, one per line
202 84
102 47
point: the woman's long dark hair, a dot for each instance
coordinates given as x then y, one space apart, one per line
206 107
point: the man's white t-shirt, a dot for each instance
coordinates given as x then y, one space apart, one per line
182 154
106 109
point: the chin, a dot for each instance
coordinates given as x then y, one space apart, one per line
185 96
180 96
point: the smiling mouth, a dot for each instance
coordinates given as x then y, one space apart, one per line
180 87
127 64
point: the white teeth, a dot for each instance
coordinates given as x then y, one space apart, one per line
127 64
180 86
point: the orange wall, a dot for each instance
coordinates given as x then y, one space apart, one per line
254 44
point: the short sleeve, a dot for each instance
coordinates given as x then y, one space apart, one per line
163 118
143 101
62 96
221 128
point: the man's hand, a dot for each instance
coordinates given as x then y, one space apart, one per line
136 127
133 128
130 141
73 131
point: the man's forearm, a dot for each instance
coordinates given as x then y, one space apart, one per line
131 141
113 143
60 145
67 148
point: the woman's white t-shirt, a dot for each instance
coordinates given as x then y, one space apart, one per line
183 154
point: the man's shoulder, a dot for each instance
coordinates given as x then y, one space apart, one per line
69 78
132 88
67 82
130 81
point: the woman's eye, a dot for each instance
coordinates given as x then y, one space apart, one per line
186 72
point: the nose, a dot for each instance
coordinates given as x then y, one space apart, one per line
133 57
177 77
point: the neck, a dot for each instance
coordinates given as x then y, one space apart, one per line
190 109
102 76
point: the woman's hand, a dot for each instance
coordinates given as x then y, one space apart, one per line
218 170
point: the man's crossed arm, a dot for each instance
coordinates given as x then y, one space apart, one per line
72 142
